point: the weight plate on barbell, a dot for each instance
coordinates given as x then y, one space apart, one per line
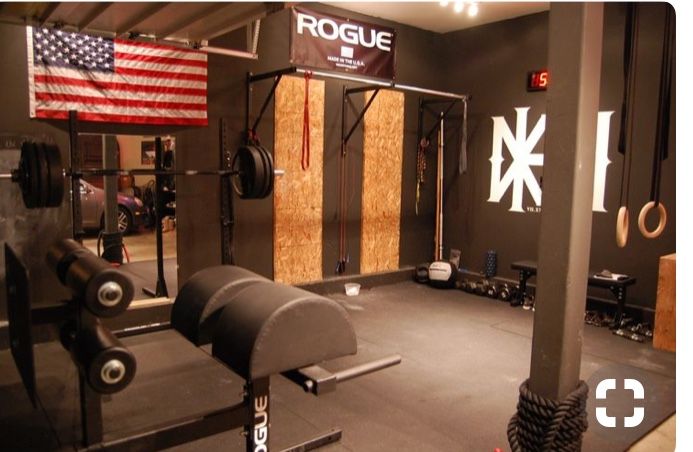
56 180
43 178
268 183
240 183
28 180
252 179
258 173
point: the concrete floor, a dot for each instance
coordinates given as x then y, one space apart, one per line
463 359
141 246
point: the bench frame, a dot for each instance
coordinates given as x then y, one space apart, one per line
618 288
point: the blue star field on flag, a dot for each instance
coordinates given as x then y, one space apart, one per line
78 51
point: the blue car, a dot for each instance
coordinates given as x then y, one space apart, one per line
131 211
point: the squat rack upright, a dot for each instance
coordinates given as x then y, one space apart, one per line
374 85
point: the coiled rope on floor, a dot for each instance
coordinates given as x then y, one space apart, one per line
548 425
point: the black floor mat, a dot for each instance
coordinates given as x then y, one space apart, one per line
464 358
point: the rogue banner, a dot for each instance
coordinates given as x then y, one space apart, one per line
340 44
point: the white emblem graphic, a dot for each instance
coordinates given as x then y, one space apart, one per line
520 146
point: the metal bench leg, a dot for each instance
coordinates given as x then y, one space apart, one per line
522 293
620 294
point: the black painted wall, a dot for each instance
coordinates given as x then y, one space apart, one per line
419 62
492 62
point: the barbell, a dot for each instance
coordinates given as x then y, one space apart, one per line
41 175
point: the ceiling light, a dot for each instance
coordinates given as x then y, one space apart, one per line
444 4
459 7
473 10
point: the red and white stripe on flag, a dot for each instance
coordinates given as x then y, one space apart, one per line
114 80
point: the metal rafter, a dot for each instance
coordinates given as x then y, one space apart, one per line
239 21
137 20
190 20
94 14
48 12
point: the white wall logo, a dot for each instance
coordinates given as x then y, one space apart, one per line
628 421
349 33
520 146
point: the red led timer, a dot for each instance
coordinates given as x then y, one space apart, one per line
537 80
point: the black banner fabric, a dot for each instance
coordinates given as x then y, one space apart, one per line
339 44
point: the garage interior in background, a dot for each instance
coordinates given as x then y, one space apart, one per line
346 226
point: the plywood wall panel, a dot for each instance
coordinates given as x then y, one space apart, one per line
383 136
665 313
298 194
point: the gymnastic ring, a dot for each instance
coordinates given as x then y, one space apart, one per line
662 220
622 227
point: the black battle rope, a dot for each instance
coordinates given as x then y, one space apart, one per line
305 146
463 146
547 425
625 140
420 169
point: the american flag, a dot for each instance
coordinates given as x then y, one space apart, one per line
114 80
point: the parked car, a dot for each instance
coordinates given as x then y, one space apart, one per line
131 211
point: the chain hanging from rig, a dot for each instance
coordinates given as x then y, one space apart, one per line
420 168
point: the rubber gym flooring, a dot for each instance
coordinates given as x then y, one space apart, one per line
463 359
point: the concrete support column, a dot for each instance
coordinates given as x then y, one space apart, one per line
575 54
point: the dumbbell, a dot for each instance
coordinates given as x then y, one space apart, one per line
421 273
492 290
469 286
106 364
104 290
464 285
507 292
481 287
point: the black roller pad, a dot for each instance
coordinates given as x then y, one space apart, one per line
271 328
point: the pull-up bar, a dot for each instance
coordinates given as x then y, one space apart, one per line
372 84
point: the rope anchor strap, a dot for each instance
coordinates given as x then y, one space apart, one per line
548 425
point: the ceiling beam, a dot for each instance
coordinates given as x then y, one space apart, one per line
242 20
51 8
193 18
132 24
94 14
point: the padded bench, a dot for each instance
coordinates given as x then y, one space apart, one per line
617 287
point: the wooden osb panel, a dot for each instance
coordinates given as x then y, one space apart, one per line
665 312
383 136
298 193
